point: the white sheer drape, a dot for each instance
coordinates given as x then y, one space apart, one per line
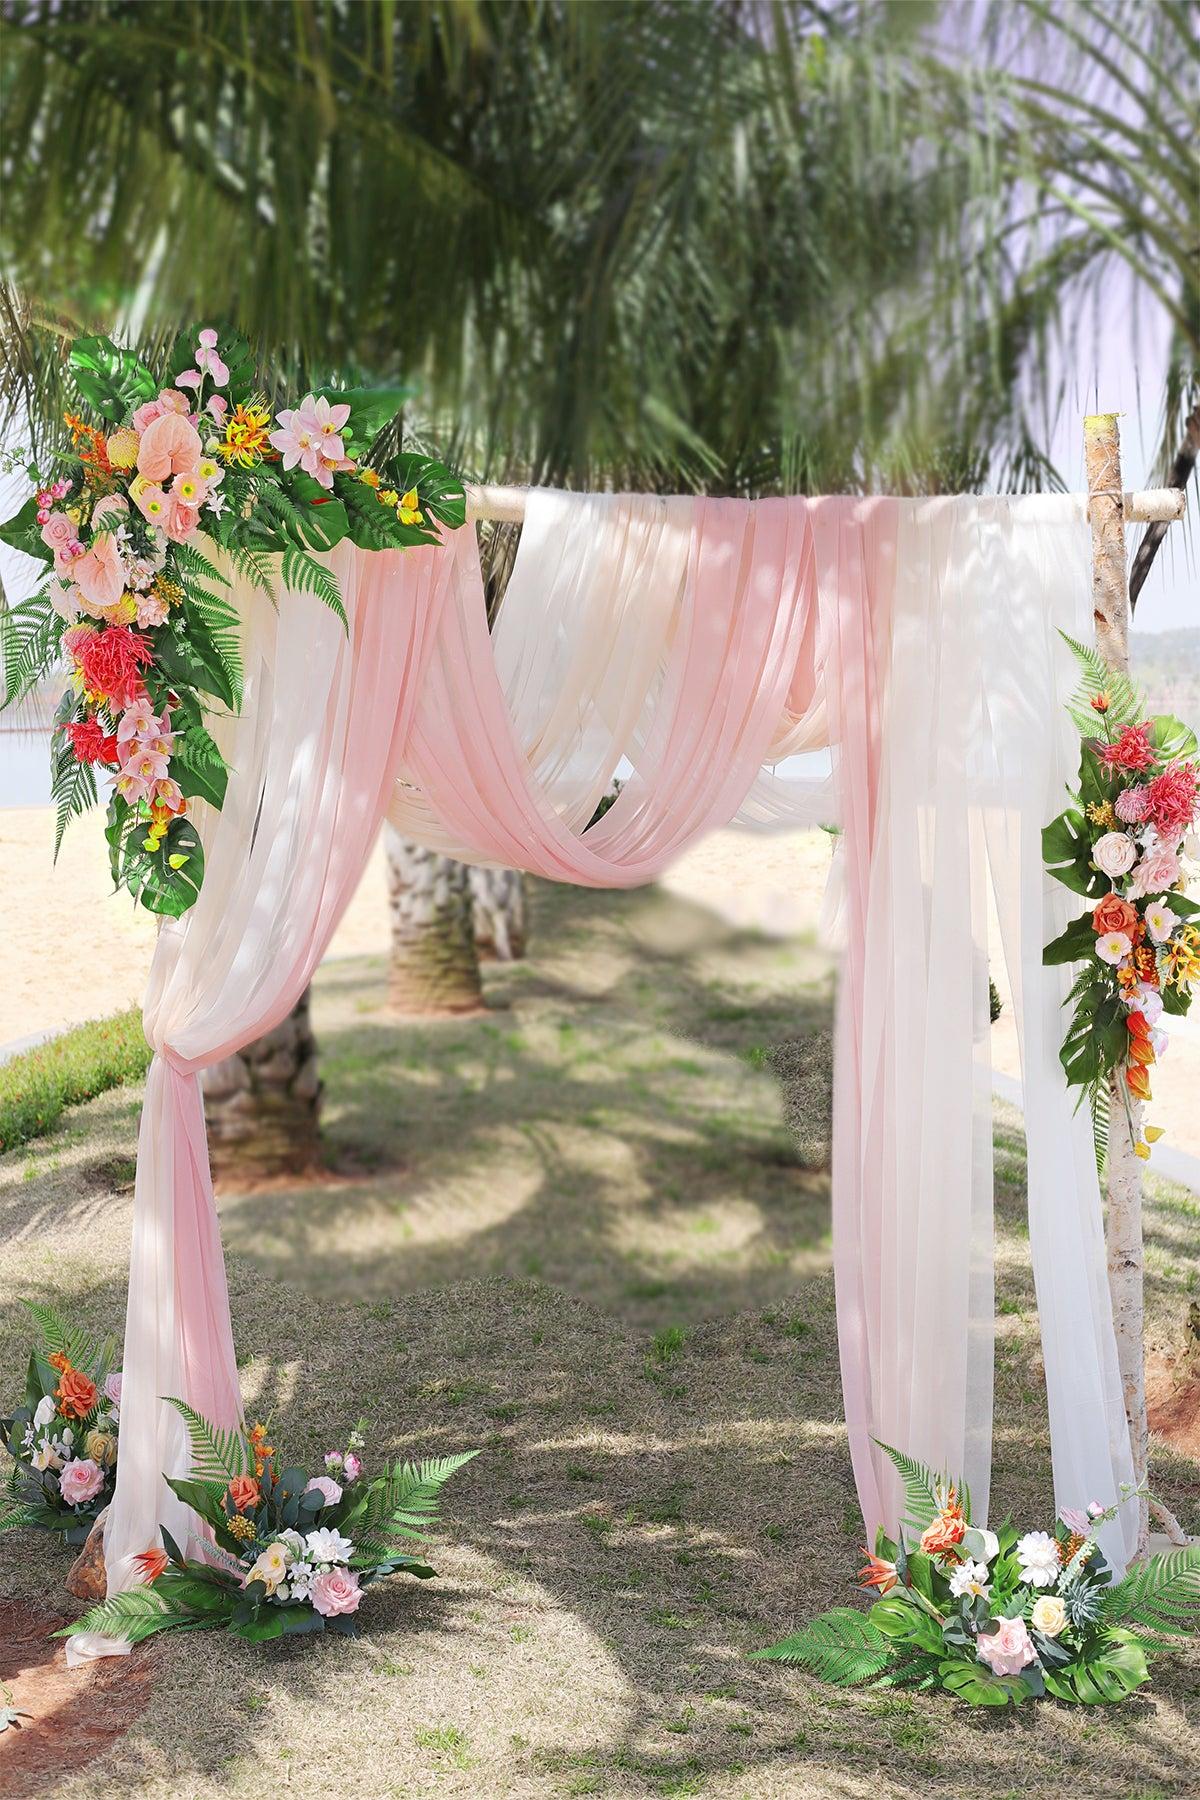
976 753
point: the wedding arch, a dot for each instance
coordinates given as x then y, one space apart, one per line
698 643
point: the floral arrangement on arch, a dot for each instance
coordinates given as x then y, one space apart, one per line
290 1552
165 486
63 1438
1127 842
998 1617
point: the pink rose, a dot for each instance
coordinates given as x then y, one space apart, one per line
58 531
1157 871
174 401
352 1466
1114 853
169 446
335 1591
1008 1650
80 1480
146 415
112 1387
325 1485
181 519
99 574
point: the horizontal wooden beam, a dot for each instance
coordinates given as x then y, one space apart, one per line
1152 506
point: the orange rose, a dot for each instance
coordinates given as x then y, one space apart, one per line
76 1394
244 1492
946 1532
1114 914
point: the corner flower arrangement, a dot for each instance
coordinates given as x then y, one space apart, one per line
995 1617
290 1552
1128 842
63 1438
166 486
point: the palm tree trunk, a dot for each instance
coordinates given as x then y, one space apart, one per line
434 966
498 913
263 1104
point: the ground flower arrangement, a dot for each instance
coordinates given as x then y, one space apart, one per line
290 1552
1128 842
63 1439
168 490
997 1618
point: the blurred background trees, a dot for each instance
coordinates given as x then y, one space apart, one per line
742 247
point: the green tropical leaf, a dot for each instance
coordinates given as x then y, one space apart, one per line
216 1455
24 533
1067 853
1096 1038
974 1682
1171 737
841 1646
112 381
441 491
1106 1669
905 1622
1072 945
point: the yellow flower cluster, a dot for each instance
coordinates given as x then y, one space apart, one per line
1101 813
1183 957
407 507
239 1526
246 439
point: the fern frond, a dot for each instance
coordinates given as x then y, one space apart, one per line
30 646
921 1485
61 1339
1162 1595
406 1502
841 1646
253 565
216 1455
194 563
1099 1098
136 1614
72 789
301 572
1125 703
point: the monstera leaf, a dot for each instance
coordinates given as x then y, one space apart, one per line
1067 853
1107 1670
114 382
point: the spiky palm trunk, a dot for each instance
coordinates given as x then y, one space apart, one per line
498 913
434 966
263 1104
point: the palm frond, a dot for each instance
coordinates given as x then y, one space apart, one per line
216 1455
72 789
301 572
406 1502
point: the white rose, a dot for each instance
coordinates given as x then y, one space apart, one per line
44 1411
1114 853
1049 1615
1037 1554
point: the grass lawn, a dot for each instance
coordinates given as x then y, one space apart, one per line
578 1233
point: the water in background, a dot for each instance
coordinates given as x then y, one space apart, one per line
24 768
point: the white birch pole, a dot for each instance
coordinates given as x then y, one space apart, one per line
1123 1219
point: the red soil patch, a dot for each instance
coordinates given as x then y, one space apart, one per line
75 1713
1173 1406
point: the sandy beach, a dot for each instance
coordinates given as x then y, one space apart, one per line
50 913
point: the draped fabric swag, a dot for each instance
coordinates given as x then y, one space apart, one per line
693 645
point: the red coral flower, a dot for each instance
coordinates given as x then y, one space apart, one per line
111 661
90 742
1171 799
1132 750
